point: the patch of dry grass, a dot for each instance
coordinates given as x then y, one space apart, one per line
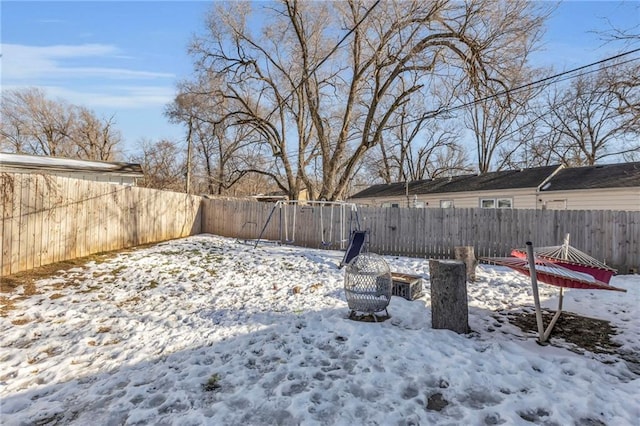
27 279
21 321
6 305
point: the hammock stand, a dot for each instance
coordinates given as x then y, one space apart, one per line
550 273
571 258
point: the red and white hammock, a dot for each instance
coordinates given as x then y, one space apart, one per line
553 273
571 258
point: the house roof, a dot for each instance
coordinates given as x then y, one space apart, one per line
35 163
622 175
506 179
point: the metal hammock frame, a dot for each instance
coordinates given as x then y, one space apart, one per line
539 269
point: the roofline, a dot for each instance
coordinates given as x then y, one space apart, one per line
36 163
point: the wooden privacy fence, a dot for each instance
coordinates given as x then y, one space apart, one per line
46 219
304 225
612 236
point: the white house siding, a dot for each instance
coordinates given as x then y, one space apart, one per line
521 199
583 199
592 199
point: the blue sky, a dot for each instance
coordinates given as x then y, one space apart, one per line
124 58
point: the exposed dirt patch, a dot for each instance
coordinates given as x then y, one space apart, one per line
27 279
581 333
6 305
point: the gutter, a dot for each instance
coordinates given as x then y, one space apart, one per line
545 181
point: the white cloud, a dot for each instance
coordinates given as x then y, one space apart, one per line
110 97
28 64
76 74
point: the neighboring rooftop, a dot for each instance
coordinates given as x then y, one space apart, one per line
622 175
506 179
34 163
552 178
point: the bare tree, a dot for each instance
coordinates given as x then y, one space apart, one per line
594 118
95 139
496 99
31 123
225 153
628 36
417 148
163 164
320 110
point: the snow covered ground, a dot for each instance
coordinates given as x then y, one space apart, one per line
207 330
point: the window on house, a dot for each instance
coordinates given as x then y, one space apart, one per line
496 203
446 204
419 204
390 205
488 203
505 203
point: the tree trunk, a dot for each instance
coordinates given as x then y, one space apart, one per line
449 308
466 254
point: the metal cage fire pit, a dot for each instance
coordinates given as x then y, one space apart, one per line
368 284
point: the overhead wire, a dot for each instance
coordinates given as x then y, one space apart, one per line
554 79
533 84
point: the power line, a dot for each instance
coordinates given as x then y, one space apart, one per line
531 84
566 75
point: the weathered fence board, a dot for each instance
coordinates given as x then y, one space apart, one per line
613 236
47 219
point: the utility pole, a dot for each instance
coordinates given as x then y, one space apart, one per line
188 184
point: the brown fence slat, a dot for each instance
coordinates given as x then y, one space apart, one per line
46 219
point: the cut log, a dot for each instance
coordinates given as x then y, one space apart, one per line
467 255
449 306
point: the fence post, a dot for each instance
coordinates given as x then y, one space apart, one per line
449 307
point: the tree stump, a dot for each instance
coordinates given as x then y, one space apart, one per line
466 254
449 307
